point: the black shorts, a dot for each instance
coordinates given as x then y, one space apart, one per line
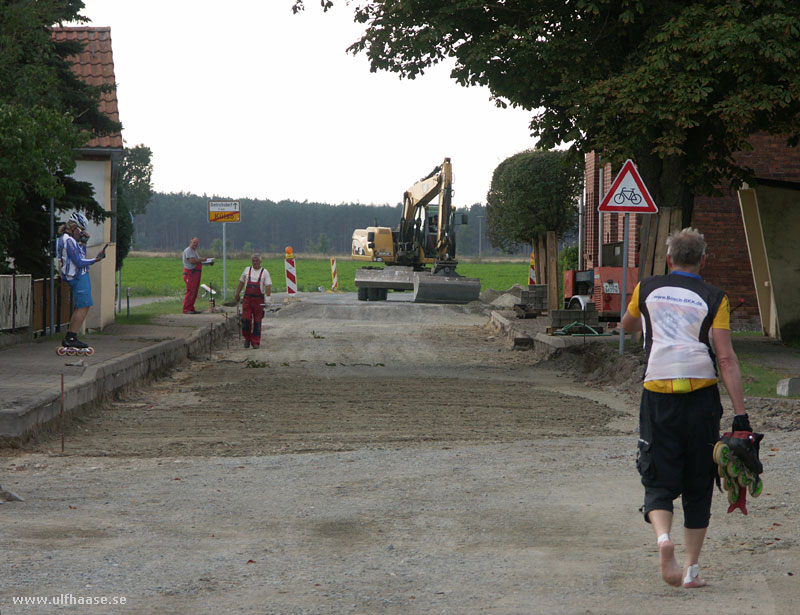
677 433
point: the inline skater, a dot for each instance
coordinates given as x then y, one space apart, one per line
74 268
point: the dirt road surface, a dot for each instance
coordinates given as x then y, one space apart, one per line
374 458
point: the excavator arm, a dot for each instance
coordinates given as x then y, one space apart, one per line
438 184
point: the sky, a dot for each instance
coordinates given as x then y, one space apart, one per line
242 99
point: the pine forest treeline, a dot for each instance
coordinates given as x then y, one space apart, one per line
266 226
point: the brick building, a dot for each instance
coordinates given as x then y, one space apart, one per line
718 218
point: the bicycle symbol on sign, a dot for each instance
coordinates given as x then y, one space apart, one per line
627 194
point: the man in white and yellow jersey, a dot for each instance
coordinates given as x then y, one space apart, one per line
686 325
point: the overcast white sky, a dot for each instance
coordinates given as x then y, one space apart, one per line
242 99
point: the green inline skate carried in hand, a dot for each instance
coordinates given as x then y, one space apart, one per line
737 457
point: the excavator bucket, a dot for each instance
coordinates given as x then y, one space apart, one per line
396 278
437 288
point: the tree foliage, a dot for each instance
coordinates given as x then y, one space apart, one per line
35 143
678 86
134 191
322 245
531 193
135 178
45 113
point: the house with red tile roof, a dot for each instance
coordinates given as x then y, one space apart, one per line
98 163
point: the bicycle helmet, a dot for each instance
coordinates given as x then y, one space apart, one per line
79 219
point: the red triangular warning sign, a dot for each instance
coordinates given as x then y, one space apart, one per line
628 194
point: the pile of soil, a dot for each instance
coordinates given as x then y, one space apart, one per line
600 364
488 296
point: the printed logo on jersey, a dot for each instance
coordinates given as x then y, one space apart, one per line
676 317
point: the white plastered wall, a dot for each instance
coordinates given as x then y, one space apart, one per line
98 174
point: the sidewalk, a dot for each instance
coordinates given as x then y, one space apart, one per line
30 373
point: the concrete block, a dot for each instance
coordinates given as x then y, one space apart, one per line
562 318
538 291
789 387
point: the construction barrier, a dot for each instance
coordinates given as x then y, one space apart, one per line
532 272
291 273
334 277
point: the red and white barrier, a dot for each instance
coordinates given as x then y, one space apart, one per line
334 276
532 272
291 273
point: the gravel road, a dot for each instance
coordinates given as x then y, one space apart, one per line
374 458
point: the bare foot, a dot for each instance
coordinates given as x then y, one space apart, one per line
670 571
692 578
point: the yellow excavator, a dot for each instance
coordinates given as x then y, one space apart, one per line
420 254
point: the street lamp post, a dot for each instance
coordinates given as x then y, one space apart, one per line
52 267
480 236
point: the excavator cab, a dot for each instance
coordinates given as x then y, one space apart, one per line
431 231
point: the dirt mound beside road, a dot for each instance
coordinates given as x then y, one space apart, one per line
600 364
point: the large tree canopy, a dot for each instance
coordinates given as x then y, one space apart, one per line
678 86
134 191
531 193
45 113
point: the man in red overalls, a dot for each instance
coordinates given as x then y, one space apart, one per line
257 292
192 270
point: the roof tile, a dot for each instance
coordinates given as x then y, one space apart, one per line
95 66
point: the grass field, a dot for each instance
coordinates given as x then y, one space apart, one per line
163 276
144 314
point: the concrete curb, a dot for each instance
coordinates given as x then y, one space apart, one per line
102 380
502 322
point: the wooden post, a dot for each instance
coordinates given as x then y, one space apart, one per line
660 257
647 245
536 259
676 220
541 260
653 248
552 271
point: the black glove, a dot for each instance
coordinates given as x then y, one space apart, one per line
741 422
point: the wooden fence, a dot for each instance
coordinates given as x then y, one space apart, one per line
25 304
41 305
